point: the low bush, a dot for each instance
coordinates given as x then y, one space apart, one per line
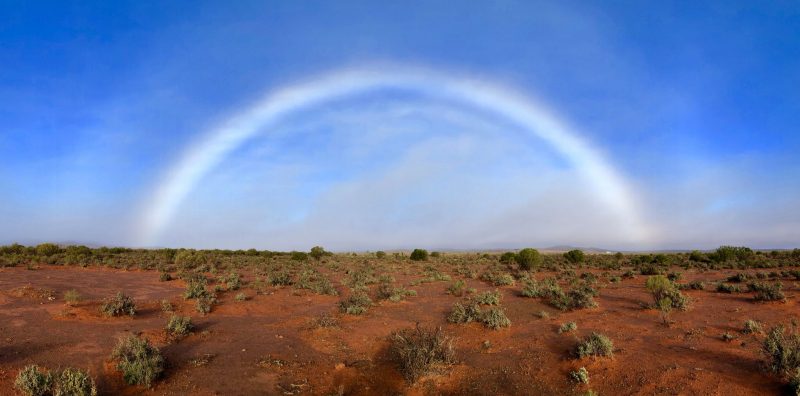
782 350
726 288
139 362
204 303
118 305
465 314
420 351
529 259
567 327
595 345
195 288
752 327
457 288
355 304
496 318
487 298
665 293
179 326
419 255
281 278
240 297
34 381
580 375
766 291
74 382
498 278
575 256
388 292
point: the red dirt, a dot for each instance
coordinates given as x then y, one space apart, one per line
268 345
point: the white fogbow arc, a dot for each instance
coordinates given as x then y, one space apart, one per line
530 114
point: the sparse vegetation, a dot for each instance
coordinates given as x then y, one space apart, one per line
595 344
72 297
34 381
355 304
419 351
139 361
74 382
580 375
752 327
567 327
120 304
179 326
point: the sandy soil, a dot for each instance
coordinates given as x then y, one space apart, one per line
269 345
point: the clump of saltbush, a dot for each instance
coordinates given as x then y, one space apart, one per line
139 361
727 288
493 318
665 293
782 350
355 304
487 298
195 288
74 382
567 327
752 327
179 326
767 292
498 278
120 304
34 381
580 375
595 344
420 351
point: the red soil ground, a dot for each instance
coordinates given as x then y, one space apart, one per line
269 345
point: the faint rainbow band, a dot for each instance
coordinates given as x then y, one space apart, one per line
530 114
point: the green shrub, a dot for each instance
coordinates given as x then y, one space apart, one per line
388 292
165 277
465 314
580 375
74 382
299 256
317 252
783 351
34 381
726 288
355 304
436 254
575 256
204 303
419 255
233 281
179 326
419 351
767 292
498 278
195 288
595 345
47 249
663 290
457 288
281 278
118 305
495 318
380 255
529 259
530 288
567 327
488 298
752 327
508 258
139 362
241 297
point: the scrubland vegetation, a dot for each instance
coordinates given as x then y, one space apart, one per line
476 288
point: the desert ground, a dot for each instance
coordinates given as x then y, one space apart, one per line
285 323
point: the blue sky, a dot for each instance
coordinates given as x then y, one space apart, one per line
694 105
